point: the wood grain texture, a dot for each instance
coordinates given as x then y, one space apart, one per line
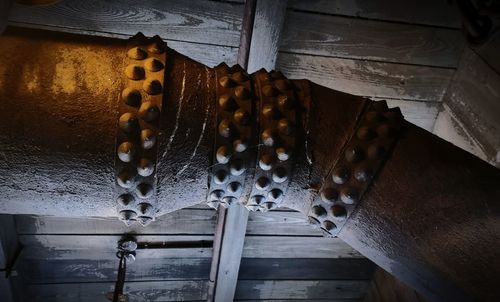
373 79
266 35
197 21
192 221
324 35
98 246
429 12
422 114
294 289
306 269
473 97
154 291
386 288
43 271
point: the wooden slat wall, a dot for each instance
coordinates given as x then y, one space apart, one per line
204 30
356 47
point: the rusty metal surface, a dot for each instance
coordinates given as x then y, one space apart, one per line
352 173
139 110
233 152
432 218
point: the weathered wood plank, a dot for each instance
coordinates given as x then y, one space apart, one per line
104 246
429 12
473 98
297 247
38 271
197 21
266 35
137 291
97 246
342 37
422 114
191 221
306 269
373 79
42 271
292 289
185 221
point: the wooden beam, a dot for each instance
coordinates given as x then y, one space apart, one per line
8 247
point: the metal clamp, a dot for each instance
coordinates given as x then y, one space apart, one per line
277 120
235 124
363 156
139 109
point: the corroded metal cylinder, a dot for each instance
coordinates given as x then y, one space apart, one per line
414 204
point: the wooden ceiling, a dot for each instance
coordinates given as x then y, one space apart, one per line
404 52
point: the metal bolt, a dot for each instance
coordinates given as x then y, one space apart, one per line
363 173
237 167
240 76
227 102
349 196
131 97
329 226
223 154
269 90
234 187
240 145
242 117
270 112
125 200
144 190
144 220
145 208
158 46
153 65
149 111
126 152
257 199
145 167
262 183
340 175
220 177
127 216
125 179
152 86
338 212
134 72
280 175
376 151
128 122
354 154
282 153
241 92
318 211
226 81
266 162
329 195
275 195
285 102
148 139
216 195
137 53
226 128
365 133
268 138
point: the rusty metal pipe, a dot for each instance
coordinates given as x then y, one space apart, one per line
417 206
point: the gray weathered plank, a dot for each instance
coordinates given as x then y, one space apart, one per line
306 269
297 247
266 35
42 271
334 36
294 289
373 79
197 21
422 114
38 271
192 221
474 97
429 12
96 246
154 291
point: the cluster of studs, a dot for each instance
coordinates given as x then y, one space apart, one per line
277 118
234 134
138 128
351 175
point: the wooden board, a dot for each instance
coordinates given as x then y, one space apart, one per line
97 246
153 291
422 114
193 221
333 36
295 289
366 78
43 271
199 21
473 98
306 269
429 12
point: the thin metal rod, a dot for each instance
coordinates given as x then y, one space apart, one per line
246 32
217 245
